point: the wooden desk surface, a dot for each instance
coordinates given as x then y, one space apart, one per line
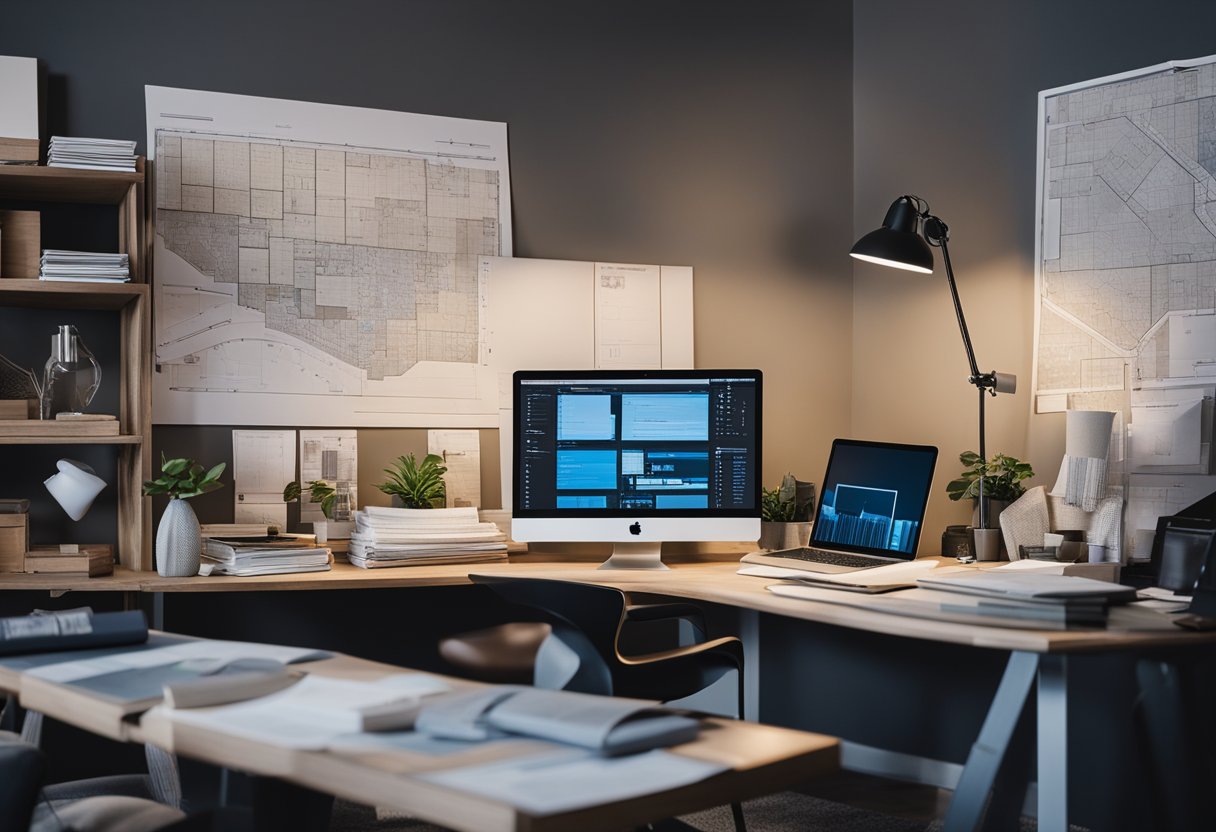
712 581
763 759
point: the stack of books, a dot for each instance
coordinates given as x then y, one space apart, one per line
270 555
417 537
91 154
84 266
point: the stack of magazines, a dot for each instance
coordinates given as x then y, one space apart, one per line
84 266
91 154
271 555
417 537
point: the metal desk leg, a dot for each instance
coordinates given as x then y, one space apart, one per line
749 632
1053 744
984 762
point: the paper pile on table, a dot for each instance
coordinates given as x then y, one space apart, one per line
417 537
246 556
91 154
84 266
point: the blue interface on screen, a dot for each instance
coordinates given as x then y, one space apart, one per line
874 498
638 445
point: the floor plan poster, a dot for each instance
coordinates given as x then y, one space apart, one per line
1126 255
317 264
1126 271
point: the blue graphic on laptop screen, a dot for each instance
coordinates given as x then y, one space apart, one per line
874 499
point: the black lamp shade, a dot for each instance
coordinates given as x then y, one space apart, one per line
897 243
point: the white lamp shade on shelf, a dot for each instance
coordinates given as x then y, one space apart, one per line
74 487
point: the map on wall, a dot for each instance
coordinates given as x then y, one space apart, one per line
1126 274
318 264
1126 271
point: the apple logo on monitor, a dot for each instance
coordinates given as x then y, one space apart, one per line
635 528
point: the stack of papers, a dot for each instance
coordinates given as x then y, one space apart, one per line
246 556
1034 596
84 266
91 154
416 537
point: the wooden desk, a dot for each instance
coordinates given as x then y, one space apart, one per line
763 759
1037 665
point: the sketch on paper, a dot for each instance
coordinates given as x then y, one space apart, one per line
319 263
1126 271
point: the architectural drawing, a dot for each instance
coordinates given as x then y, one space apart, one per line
305 279
1127 233
1126 273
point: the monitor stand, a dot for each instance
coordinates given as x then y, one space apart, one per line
635 556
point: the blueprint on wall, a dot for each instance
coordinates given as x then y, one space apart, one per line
318 264
1126 272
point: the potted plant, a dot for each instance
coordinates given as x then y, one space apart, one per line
414 484
330 499
179 544
1003 477
785 514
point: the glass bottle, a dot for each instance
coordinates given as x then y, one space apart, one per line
71 376
343 505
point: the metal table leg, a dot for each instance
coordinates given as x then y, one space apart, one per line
984 762
1053 743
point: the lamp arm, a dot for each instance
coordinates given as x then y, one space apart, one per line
976 376
936 234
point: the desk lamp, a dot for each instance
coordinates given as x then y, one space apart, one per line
899 244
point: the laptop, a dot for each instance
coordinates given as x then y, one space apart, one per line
871 509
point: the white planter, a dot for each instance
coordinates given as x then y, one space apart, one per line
179 543
327 530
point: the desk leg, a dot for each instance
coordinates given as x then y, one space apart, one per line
984 762
1053 744
158 610
749 633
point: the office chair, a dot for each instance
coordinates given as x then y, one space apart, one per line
582 652
24 805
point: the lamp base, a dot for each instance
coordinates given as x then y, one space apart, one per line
987 544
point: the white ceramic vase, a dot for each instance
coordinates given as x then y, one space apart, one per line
179 542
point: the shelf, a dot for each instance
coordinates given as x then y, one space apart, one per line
71 440
41 183
51 294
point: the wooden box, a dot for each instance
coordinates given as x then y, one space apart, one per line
20 244
91 559
14 541
18 409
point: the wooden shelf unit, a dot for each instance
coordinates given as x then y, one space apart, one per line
133 303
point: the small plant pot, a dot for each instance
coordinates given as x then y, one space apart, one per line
775 536
327 530
179 542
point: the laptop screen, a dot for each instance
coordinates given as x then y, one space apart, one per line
873 498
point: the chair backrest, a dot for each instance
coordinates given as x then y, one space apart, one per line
586 619
22 767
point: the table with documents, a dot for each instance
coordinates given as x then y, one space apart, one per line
344 727
1036 671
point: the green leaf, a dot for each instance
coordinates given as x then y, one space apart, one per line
176 466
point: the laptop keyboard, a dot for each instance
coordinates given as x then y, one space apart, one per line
824 556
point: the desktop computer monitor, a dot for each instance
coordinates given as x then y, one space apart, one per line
635 458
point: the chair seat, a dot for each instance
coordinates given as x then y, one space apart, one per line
506 653
104 814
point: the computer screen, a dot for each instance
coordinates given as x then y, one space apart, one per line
873 497
644 447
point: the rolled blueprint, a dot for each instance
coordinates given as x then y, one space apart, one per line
1082 480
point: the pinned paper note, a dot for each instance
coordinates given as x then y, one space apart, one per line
461 452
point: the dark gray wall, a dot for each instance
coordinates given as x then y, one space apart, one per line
945 106
639 131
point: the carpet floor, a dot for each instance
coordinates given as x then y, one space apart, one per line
784 812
